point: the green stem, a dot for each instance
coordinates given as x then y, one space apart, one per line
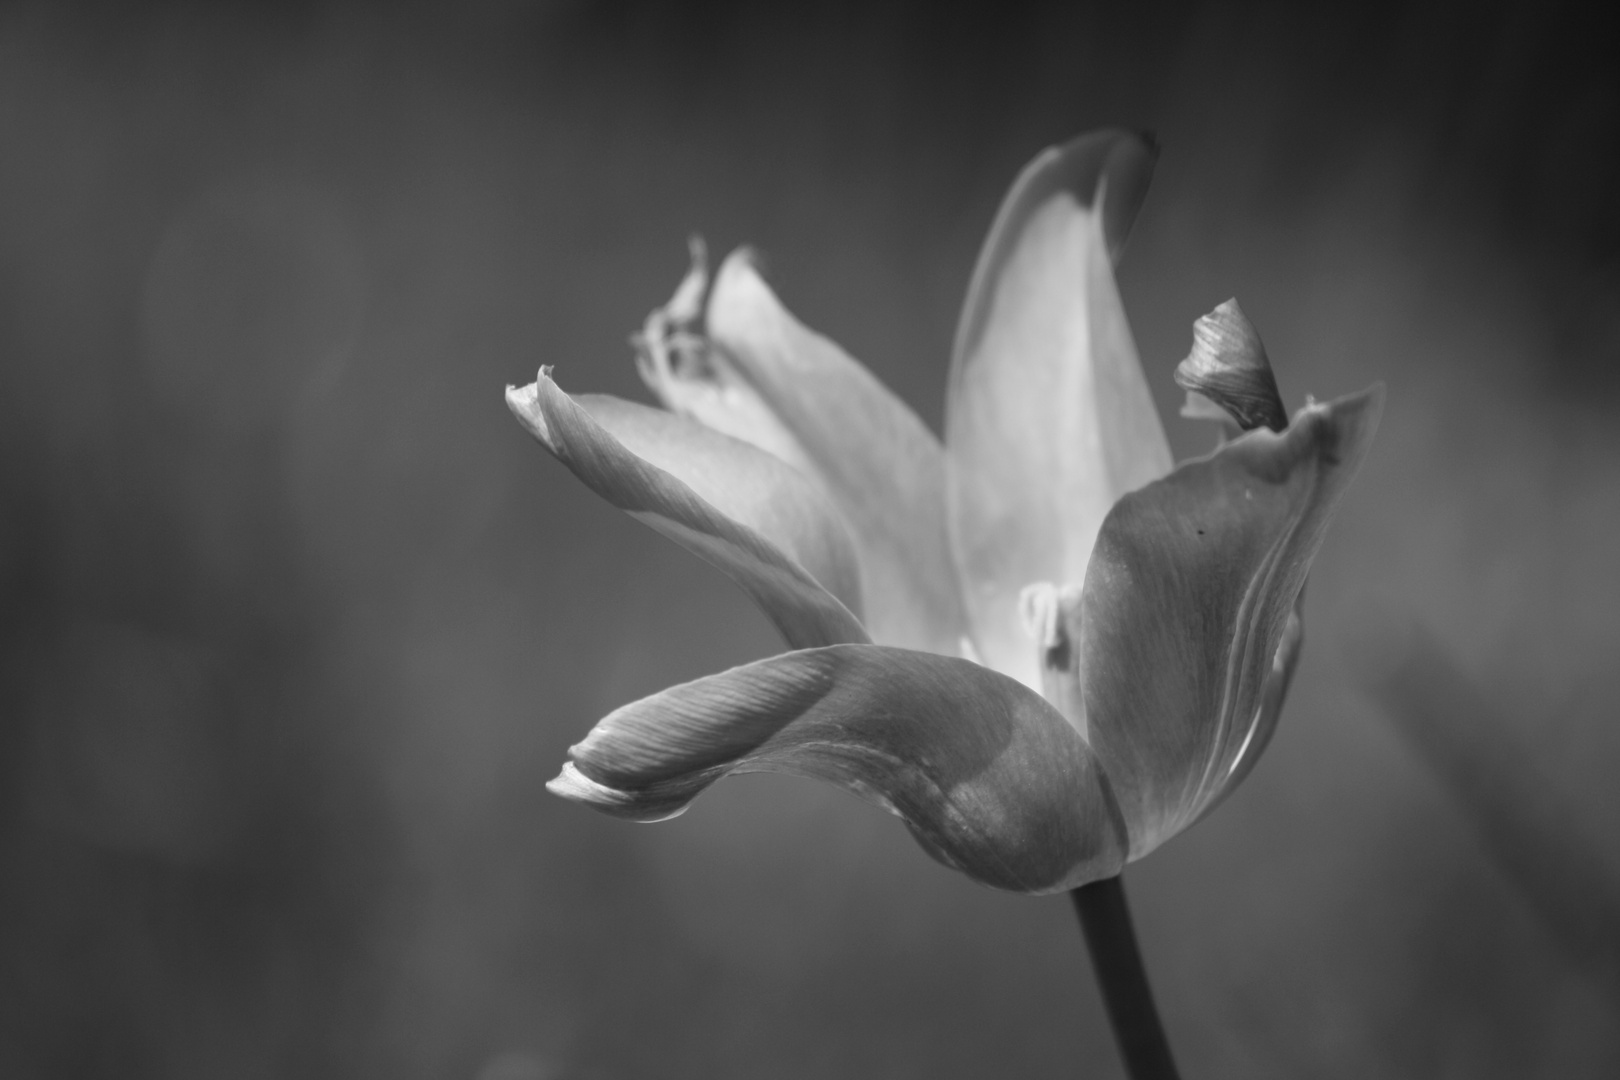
1105 919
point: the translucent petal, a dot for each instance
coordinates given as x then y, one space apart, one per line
1048 417
738 508
743 483
988 777
1272 696
763 376
694 378
1187 605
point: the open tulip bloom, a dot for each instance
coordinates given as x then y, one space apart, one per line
1042 645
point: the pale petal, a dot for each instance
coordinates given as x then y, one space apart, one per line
732 505
766 378
1048 417
693 377
744 483
987 776
1187 605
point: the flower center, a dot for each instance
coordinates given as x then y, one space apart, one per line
1051 617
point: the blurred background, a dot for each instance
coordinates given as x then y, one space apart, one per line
297 621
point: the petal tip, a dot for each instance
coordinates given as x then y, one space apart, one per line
1228 365
1104 172
520 397
739 286
575 786
524 403
1087 163
1347 423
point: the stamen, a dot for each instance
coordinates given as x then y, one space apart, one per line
1038 609
1051 616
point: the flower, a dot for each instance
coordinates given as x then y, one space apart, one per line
1037 643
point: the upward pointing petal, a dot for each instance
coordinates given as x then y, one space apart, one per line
986 775
737 507
1048 417
1189 628
694 377
770 380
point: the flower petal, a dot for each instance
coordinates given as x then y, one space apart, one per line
1048 417
695 378
1228 367
1187 605
1272 696
987 776
742 482
735 506
766 378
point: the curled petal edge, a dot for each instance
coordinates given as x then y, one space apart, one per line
768 378
986 775
1188 604
806 613
1272 696
1228 368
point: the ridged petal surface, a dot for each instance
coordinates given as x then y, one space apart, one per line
1187 606
769 379
987 776
735 506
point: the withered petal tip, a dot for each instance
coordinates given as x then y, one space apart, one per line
1228 365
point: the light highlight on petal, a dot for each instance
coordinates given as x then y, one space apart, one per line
1189 610
745 484
988 777
879 465
1048 417
765 510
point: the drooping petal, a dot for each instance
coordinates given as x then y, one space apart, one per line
738 508
1187 604
742 482
1048 417
763 376
988 777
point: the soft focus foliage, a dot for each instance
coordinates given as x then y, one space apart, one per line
286 659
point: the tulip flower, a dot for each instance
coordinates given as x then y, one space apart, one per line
1039 643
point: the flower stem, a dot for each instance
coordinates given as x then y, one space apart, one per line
1105 919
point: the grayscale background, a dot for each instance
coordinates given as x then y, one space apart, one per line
295 621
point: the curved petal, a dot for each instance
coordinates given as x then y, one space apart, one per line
764 377
1048 417
742 482
1272 696
722 499
1228 367
694 378
989 779
1187 604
